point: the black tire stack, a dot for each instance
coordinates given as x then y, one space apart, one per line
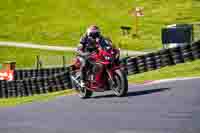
162 58
132 66
31 82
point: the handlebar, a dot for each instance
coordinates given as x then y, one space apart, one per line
86 54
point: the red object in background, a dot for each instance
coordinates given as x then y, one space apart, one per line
7 75
7 71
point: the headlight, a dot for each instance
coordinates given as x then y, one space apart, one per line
108 58
108 47
117 55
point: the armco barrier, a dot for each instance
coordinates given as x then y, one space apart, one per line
30 82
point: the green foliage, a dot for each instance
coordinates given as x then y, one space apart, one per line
63 21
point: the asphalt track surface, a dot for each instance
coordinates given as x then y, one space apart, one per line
170 107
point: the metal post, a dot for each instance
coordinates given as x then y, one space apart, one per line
136 25
64 61
37 62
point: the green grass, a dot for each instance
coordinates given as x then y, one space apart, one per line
26 58
63 21
189 69
36 98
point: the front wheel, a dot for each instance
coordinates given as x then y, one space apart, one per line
120 83
84 93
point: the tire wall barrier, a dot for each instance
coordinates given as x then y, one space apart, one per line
42 81
39 81
34 73
162 58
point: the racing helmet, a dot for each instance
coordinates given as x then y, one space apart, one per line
93 31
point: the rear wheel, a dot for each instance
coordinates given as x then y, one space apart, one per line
120 83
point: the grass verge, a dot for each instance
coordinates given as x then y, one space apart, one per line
25 100
189 69
26 57
62 22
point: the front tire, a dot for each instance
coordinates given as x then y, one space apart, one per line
85 93
120 85
82 92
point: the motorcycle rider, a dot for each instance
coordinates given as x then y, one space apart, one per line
88 43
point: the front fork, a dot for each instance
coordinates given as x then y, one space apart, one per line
75 81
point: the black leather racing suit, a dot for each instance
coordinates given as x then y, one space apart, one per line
86 46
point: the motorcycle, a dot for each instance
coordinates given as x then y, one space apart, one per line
104 73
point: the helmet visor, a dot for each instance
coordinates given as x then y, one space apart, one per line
94 34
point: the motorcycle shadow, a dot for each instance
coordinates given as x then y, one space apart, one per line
134 93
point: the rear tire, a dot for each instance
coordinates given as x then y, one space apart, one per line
120 85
